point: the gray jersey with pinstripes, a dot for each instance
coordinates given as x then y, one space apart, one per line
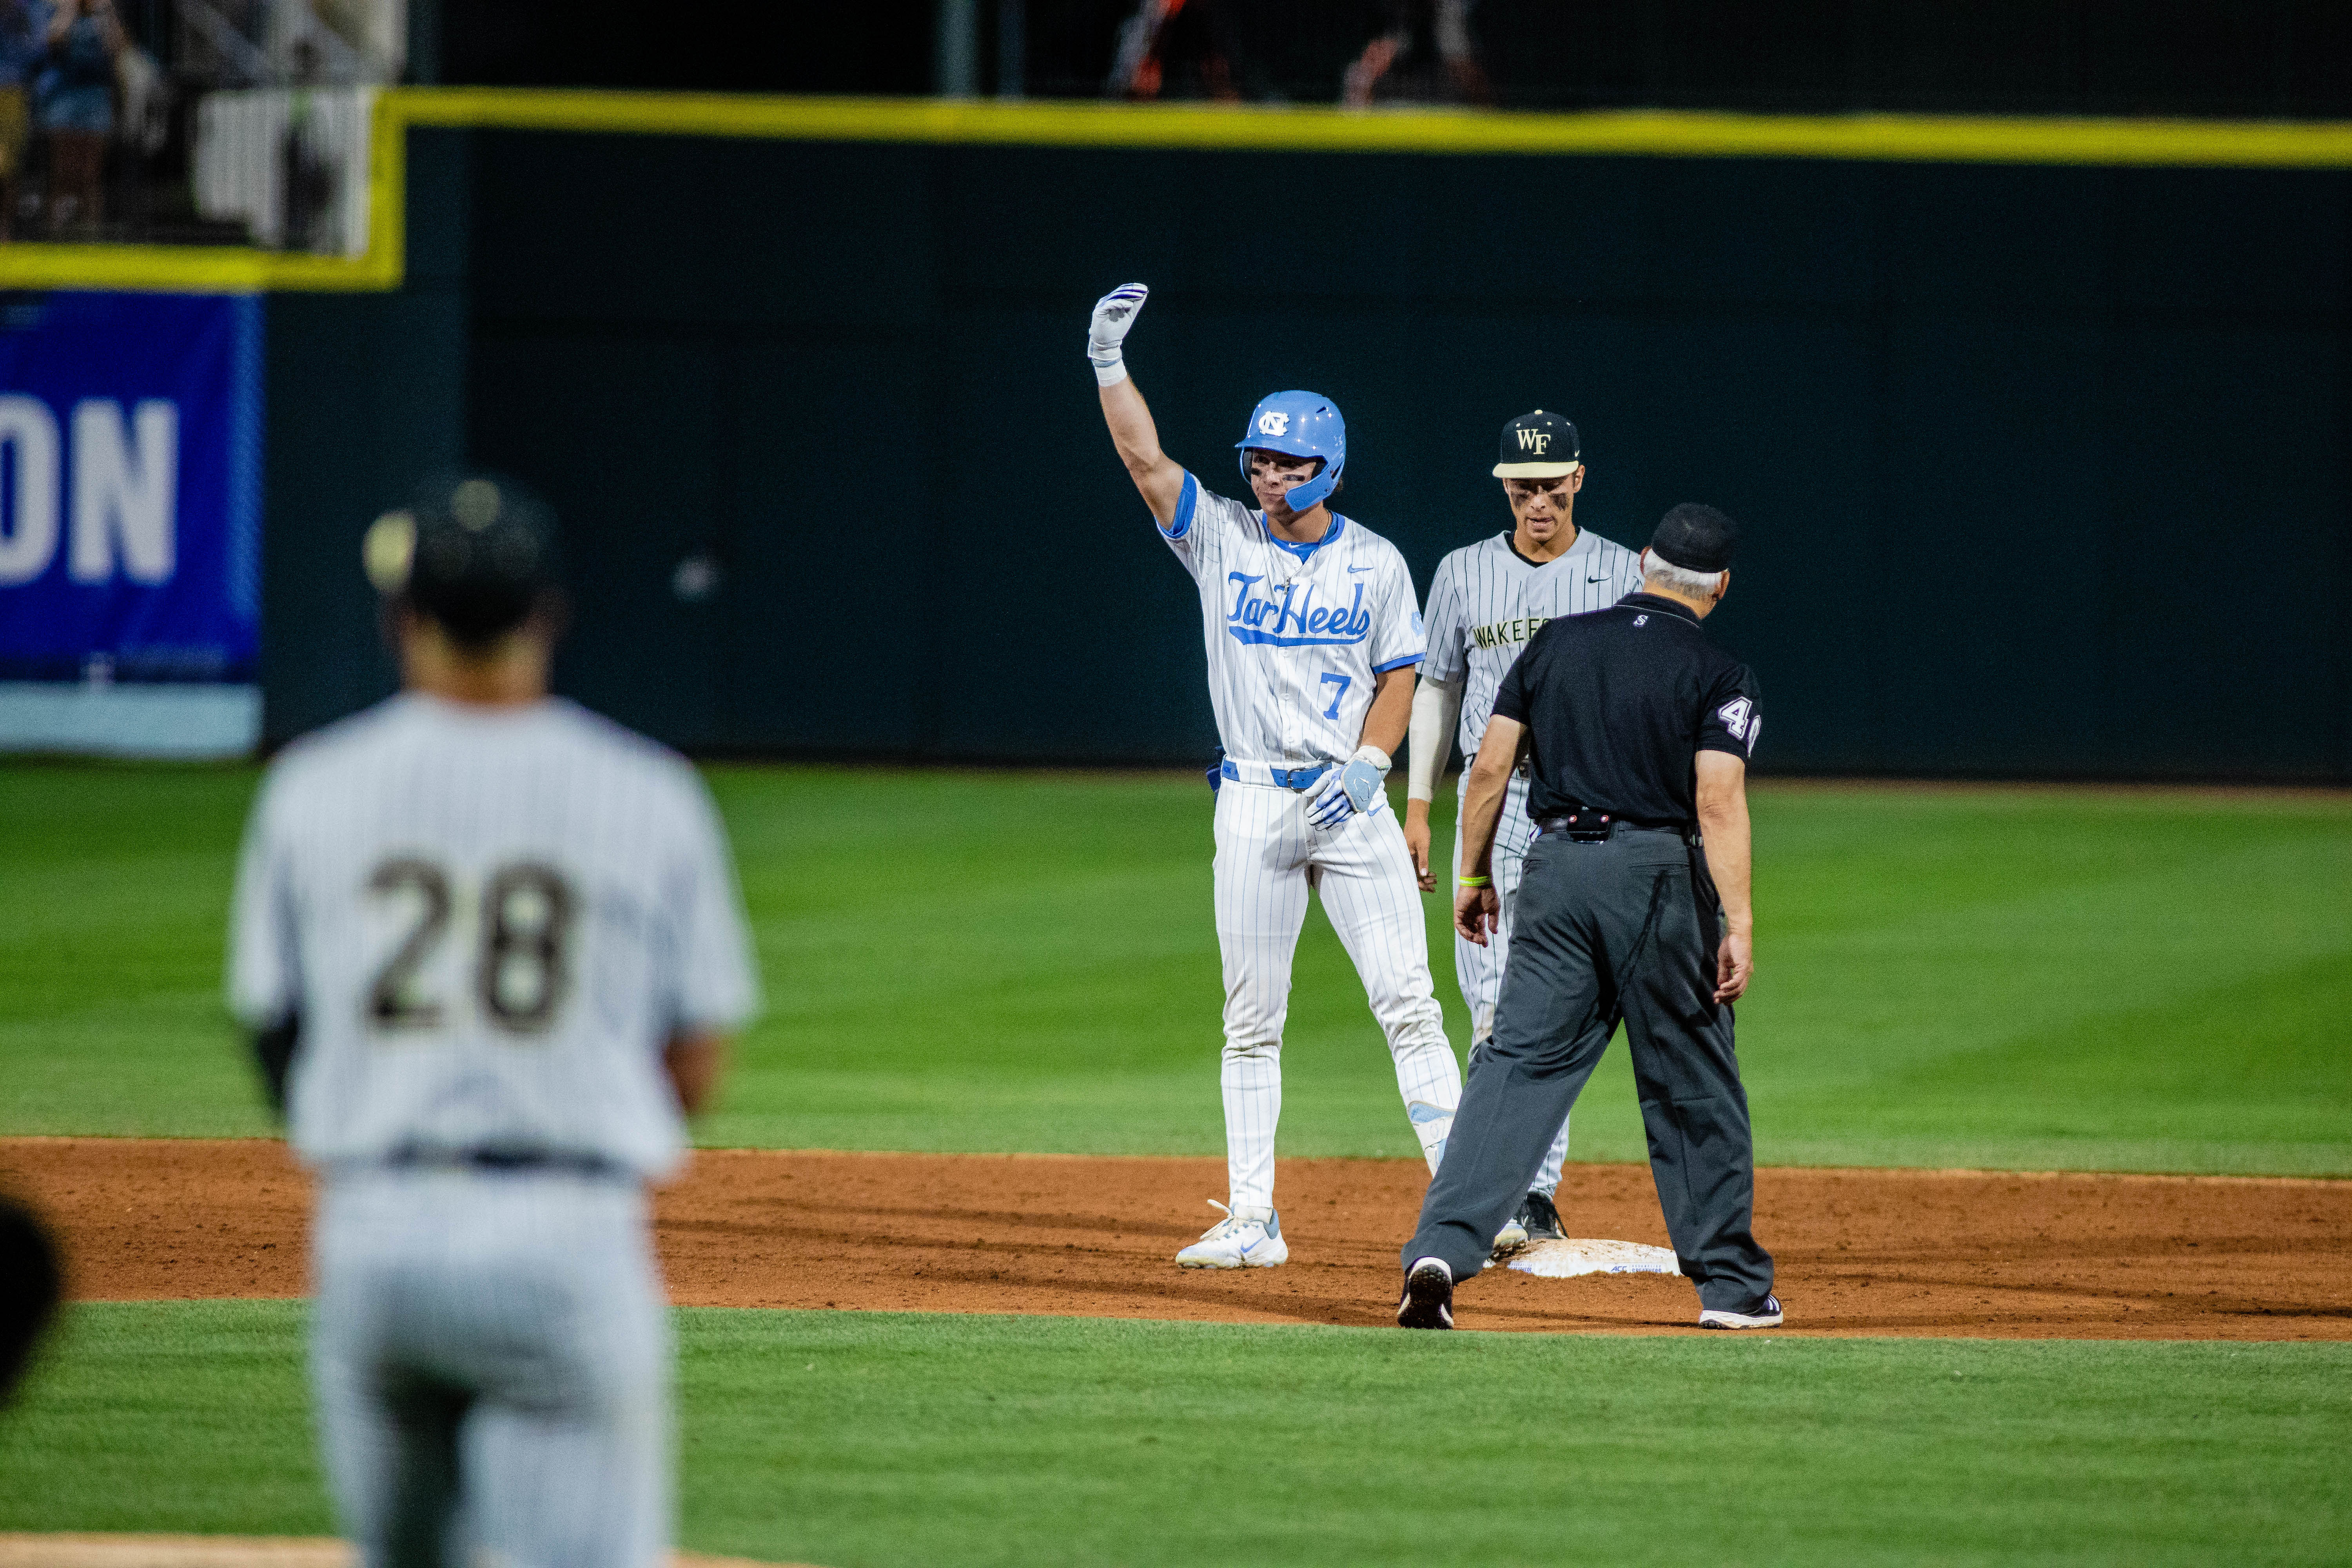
491 922
1486 600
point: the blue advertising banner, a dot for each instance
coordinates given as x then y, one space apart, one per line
130 488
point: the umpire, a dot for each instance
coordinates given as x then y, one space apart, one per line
1637 730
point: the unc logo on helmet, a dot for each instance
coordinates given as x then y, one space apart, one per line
1300 425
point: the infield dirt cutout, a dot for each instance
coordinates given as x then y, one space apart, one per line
1859 1251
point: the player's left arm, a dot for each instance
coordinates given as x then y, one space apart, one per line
1390 714
694 1059
1476 904
1396 645
715 988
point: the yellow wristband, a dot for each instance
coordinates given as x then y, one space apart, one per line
1476 881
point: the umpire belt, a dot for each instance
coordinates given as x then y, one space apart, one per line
1267 774
1586 825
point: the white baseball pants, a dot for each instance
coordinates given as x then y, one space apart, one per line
491 1354
1479 970
1268 861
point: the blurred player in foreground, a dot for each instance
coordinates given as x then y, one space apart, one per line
1312 633
30 1283
491 950
1485 601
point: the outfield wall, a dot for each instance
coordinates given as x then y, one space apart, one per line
2044 467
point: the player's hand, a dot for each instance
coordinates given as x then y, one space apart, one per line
1350 791
1416 842
1115 313
1475 912
1735 965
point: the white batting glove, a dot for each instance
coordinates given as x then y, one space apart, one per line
1351 791
1114 313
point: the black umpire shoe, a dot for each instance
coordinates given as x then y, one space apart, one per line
1428 1300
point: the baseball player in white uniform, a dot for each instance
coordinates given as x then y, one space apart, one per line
1485 601
1313 632
492 949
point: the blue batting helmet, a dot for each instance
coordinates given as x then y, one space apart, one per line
1302 425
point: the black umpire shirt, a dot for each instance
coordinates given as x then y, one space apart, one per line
1619 703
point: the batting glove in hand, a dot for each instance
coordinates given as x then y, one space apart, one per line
1350 791
1115 313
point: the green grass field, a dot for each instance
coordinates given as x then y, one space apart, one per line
856 1439
1994 977
2007 978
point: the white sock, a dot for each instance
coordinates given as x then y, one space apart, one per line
1251 1081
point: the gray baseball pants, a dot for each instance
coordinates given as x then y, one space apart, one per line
1626 928
491 1354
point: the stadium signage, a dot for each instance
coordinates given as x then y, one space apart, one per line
130 486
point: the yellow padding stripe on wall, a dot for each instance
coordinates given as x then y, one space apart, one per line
1646 133
1658 133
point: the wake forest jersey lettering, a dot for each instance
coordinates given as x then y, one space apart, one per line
488 924
1297 634
1487 601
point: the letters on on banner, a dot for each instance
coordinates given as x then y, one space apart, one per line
130 485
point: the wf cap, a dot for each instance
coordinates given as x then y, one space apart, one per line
1538 446
474 552
1696 538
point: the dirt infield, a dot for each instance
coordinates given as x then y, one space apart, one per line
1860 1252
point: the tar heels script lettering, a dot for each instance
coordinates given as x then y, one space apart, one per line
1289 616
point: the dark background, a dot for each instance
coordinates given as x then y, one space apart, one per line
2043 469
2226 57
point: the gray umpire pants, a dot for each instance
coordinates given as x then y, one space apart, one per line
1626 928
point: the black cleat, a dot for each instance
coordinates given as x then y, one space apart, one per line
1541 1220
1428 1300
1536 1220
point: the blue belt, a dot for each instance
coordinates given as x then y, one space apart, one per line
1284 778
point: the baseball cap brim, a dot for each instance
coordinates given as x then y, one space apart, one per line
1535 470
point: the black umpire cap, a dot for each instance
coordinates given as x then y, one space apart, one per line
1696 538
1538 446
474 552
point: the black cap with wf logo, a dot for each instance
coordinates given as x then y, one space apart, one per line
1538 446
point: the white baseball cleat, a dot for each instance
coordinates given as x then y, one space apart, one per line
1764 1314
1242 1240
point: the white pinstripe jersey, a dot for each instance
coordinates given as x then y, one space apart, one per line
1295 632
490 922
1487 601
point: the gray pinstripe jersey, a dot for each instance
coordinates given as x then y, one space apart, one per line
1487 601
489 922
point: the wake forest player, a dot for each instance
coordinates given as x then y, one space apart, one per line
496 940
1486 600
1312 633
